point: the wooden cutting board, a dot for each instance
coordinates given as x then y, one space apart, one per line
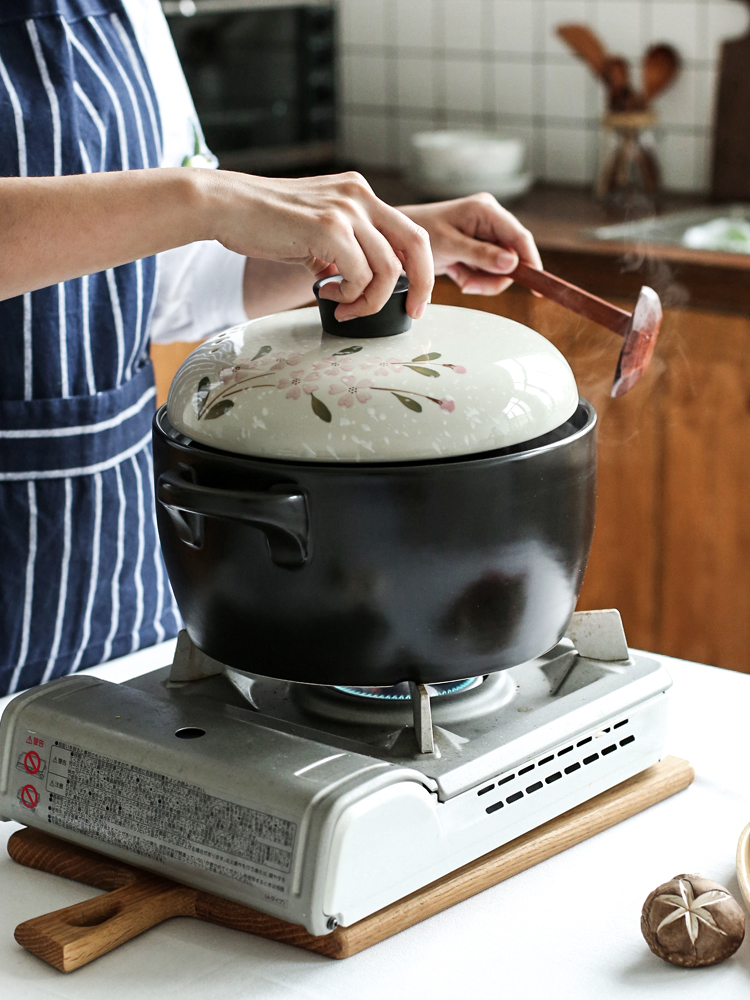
135 900
731 155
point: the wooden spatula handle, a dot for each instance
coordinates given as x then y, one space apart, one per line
75 935
573 298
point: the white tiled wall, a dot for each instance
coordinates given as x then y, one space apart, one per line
410 65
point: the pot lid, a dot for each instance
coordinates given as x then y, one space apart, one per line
458 382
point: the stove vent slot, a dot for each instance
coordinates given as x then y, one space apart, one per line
622 722
557 775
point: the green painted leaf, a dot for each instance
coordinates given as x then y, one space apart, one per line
219 409
201 393
320 409
261 352
428 372
427 357
347 350
410 404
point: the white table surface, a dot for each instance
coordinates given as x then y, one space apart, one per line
568 928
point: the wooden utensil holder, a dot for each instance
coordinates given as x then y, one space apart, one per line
628 166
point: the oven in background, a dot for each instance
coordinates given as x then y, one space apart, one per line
262 74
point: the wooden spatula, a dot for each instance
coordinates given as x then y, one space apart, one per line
585 44
660 67
639 329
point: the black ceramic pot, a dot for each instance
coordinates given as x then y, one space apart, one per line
371 574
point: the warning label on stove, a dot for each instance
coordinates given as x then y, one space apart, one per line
167 820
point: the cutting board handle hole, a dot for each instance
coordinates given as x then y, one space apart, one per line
92 918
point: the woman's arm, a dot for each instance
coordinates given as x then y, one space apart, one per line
270 287
57 228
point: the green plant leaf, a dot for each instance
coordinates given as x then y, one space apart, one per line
410 404
261 352
320 409
428 372
219 409
427 357
347 350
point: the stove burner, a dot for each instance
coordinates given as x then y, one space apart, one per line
386 707
400 692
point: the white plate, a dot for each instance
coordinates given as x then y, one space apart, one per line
503 188
743 865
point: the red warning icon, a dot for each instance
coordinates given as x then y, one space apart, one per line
32 761
29 796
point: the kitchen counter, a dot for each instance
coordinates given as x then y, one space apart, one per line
568 928
561 219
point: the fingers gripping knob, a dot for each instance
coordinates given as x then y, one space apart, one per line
391 320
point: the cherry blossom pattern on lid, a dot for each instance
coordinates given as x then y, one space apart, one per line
337 375
461 382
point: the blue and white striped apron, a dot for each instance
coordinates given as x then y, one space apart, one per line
81 574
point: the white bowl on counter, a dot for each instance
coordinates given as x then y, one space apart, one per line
460 162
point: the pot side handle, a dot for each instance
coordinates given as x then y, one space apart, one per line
281 514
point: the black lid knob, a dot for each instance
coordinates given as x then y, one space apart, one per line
391 320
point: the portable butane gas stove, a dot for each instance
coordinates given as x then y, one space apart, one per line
322 805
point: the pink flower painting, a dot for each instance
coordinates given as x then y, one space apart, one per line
263 370
380 368
351 390
334 366
297 383
231 375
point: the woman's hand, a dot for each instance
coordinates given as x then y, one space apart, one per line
57 228
475 241
332 224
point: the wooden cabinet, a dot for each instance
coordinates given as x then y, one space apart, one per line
672 542
166 359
